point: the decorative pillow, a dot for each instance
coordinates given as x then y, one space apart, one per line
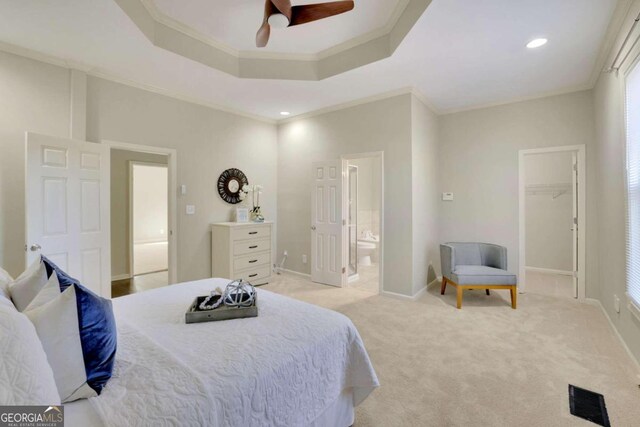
78 333
48 293
28 284
63 277
5 279
26 377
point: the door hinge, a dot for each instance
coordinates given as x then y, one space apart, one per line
344 222
344 270
575 221
575 167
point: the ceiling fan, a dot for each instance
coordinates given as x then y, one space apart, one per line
280 14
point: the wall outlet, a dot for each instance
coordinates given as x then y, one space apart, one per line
447 197
304 259
616 303
191 209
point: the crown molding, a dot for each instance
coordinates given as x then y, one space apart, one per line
622 10
105 75
361 101
170 34
515 100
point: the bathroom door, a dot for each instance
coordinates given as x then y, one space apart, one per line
327 223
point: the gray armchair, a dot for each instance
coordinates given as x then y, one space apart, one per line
476 266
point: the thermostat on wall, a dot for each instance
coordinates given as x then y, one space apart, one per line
448 197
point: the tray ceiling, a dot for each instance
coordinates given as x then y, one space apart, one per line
221 35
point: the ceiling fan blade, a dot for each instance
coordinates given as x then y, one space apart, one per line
262 37
282 6
313 12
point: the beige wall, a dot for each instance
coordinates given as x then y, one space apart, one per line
379 126
611 190
425 177
207 142
479 163
34 97
120 206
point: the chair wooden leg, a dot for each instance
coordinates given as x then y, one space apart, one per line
459 296
514 297
444 285
488 293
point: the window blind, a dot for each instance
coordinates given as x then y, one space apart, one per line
633 184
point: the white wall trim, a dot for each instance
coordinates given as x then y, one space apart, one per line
415 296
597 303
549 271
172 163
296 273
581 151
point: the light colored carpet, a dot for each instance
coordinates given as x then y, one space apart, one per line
484 365
150 257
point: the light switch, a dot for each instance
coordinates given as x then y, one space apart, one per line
447 197
191 209
183 189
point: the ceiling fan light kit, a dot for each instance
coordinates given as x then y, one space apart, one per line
280 14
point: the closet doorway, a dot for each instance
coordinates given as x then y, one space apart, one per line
552 254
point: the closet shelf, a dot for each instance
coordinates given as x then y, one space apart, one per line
555 190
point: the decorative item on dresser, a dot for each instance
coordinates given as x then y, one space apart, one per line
241 251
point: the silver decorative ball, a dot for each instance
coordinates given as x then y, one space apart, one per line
239 294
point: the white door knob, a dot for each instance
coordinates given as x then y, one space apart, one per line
313 227
35 247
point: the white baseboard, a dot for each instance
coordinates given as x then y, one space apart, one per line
296 273
120 277
549 271
597 303
415 296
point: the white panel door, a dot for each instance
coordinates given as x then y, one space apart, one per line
327 223
67 207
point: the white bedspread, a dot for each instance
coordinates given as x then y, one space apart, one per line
283 368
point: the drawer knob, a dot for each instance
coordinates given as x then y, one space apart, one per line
252 261
253 247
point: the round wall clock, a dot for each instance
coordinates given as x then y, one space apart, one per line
230 183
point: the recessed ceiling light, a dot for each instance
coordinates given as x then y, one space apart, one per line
536 43
284 113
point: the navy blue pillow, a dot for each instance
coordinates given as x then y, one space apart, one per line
98 334
64 279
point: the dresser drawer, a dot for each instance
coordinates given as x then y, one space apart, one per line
251 232
255 276
245 247
251 261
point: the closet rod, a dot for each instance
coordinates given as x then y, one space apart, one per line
624 44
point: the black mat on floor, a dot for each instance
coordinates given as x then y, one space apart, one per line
588 405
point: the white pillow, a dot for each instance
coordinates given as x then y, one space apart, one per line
48 293
25 288
5 279
26 377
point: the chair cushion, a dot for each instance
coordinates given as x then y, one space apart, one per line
480 275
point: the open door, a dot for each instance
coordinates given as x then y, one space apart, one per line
574 225
327 263
67 207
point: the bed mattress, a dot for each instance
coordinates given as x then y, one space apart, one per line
295 364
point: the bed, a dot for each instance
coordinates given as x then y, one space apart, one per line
296 364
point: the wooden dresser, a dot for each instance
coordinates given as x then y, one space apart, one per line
241 251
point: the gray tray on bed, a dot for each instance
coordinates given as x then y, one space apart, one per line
195 315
